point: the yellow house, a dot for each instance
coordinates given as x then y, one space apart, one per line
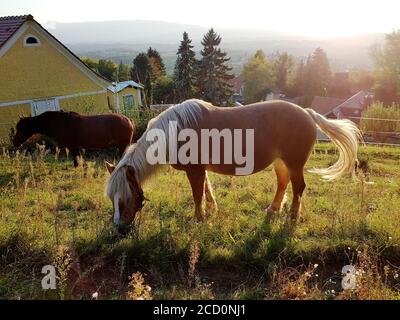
38 73
124 96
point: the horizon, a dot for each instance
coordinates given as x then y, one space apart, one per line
309 18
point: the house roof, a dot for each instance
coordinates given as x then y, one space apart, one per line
353 106
117 87
236 83
9 25
354 102
324 105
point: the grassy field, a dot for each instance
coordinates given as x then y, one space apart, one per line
52 213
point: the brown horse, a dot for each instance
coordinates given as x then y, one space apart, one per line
75 131
283 134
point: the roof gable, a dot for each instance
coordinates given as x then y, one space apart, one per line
19 21
10 25
354 102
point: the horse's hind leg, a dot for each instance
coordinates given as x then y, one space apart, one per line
298 186
209 194
283 178
196 179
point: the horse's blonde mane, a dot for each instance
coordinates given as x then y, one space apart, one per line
187 114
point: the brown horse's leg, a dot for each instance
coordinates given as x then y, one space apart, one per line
196 179
298 186
283 178
209 194
75 154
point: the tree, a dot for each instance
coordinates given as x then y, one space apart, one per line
184 73
123 72
163 90
282 67
317 74
156 63
387 61
91 63
213 74
296 86
362 79
257 75
107 69
141 73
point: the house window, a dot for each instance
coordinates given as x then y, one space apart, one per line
31 41
129 101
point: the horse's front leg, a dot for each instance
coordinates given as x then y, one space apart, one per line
196 178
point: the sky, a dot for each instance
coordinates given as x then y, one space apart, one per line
314 18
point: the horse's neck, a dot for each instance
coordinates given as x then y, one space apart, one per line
37 126
139 162
42 126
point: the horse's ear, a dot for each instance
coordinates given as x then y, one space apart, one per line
110 167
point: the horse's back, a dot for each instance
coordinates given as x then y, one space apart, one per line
281 129
95 131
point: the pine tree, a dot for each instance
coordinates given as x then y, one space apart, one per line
185 69
212 72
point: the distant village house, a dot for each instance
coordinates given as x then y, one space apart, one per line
124 96
337 108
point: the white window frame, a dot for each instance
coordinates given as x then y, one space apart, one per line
56 104
31 44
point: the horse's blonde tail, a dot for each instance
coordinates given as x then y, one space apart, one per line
345 135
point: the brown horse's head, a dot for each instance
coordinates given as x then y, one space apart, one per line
126 203
24 131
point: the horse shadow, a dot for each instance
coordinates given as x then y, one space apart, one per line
277 241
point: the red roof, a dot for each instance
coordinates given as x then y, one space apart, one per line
324 105
236 84
10 25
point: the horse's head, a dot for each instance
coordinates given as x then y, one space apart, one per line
24 131
126 196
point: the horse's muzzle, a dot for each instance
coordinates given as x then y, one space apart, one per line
122 229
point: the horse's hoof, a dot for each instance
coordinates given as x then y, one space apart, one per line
199 218
271 210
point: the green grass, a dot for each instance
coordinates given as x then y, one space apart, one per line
52 213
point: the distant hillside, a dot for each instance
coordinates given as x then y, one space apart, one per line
122 40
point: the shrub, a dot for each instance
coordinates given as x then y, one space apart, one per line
381 130
140 118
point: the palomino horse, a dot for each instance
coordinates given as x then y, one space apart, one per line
75 131
284 134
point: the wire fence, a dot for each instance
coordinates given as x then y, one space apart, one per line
369 135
